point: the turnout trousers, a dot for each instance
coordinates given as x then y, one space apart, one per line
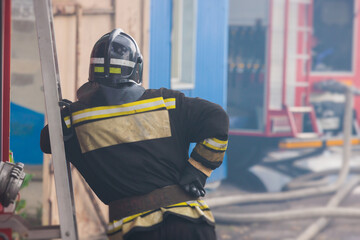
176 228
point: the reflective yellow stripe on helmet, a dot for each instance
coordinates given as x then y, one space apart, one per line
99 69
115 70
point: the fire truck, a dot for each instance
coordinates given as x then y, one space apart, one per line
285 59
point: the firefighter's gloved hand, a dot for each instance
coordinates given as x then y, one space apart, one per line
195 189
193 181
65 111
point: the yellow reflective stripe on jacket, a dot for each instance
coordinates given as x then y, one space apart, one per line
208 153
198 203
215 144
124 109
170 103
67 121
118 110
153 215
116 106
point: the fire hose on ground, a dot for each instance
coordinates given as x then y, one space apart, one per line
316 189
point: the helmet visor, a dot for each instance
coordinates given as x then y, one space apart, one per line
122 56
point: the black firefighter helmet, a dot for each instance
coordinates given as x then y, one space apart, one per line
116 59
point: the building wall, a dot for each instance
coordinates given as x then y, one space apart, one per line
79 24
211 52
160 43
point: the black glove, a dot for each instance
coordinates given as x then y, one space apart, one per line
68 133
193 181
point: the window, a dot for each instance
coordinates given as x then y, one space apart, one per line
248 26
333 36
183 44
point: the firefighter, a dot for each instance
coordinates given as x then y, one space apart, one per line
131 146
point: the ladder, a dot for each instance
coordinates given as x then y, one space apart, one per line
52 92
295 112
292 111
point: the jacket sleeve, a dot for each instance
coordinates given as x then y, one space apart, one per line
72 148
207 125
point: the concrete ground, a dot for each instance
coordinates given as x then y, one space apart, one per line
338 229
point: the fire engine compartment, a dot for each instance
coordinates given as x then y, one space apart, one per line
277 57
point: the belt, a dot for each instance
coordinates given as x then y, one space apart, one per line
161 197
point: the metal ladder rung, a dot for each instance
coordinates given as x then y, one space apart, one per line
301 1
304 29
301 56
301 84
300 109
306 135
